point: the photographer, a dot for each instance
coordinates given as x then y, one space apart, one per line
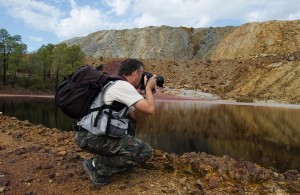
117 152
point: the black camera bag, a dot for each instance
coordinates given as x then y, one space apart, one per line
76 93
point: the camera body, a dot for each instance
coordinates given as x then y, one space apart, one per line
159 80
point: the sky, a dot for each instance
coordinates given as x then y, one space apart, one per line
52 21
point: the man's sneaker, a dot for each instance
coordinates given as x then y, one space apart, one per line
91 170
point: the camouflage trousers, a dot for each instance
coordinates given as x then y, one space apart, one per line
114 155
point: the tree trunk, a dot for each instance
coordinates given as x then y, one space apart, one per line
57 72
44 72
4 71
14 80
44 75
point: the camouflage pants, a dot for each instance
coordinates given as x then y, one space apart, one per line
114 155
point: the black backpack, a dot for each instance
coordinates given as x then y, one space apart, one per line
77 92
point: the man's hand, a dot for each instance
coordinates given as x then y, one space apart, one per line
147 105
151 83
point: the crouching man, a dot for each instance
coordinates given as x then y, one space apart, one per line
116 149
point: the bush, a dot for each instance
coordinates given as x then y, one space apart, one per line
35 84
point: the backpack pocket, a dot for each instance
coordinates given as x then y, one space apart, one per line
117 127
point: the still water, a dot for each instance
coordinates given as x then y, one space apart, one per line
265 135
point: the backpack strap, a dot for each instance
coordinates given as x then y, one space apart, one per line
108 125
105 88
99 109
103 106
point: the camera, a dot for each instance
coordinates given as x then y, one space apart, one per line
159 80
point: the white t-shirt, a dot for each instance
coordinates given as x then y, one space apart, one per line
123 92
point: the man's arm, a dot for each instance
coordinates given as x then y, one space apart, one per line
146 105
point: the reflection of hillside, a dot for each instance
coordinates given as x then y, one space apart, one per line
260 124
259 134
271 125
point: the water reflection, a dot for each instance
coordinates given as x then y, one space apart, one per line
268 136
36 110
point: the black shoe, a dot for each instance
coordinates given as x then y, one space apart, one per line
91 170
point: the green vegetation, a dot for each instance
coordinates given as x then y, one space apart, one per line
43 69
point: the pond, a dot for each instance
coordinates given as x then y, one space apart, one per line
269 136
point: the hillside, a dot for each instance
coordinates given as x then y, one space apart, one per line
255 61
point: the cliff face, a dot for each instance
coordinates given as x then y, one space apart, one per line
153 42
264 39
255 61
243 42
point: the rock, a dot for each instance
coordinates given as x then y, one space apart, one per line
26 123
61 137
2 189
17 135
46 166
62 153
4 181
51 175
182 181
28 179
199 185
291 175
213 182
19 151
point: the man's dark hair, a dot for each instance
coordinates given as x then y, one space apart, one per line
130 65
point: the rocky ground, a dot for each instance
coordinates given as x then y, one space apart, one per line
38 160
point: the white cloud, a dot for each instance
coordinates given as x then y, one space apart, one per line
37 15
119 7
81 20
203 13
147 20
190 13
